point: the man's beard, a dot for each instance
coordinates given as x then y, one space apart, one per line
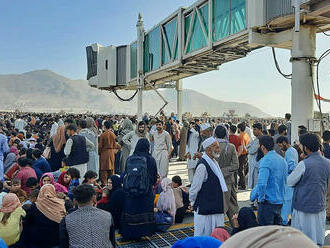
141 131
159 129
205 136
305 153
215 154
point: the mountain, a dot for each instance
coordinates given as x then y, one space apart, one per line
46 91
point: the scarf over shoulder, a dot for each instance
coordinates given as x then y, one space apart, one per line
59 139
48 203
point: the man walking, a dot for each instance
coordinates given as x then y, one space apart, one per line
234 139
252 150
20 124
243 159
92 136
228 162
162 148
87 226
282 132
192 149
183 141
291 158
310 179
206 131
133 137
206 192
271 184
175 136
288 125
54 126
107 149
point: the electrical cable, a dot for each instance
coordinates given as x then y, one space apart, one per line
286 76
323 55
325 33
318 101
123 99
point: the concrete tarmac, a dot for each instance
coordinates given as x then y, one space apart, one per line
243 196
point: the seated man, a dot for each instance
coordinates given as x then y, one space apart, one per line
181 196
76 228
25 172
40 162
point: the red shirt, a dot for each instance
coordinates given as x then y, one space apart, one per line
235 140
12 171
104 200
245 141
23 174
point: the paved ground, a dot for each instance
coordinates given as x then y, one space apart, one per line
180 168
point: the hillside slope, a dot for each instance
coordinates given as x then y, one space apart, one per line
44 90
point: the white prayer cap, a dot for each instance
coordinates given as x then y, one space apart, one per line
205 126
208 142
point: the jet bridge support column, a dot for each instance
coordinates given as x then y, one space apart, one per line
140 74
179 99
302 99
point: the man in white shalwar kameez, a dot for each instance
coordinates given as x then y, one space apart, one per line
20 124
162 149
206 192
291 157
252 150
53 128
192 149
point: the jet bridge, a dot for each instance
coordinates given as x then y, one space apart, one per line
201 37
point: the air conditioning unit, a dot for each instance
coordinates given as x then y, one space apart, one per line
102 66
92 52
257 13
123 65
109 66
263 11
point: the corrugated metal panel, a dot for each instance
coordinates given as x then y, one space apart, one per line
91 62
121 65
278 8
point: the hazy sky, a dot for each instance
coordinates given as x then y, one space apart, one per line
53 34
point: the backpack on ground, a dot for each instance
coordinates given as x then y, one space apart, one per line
163 221
136 180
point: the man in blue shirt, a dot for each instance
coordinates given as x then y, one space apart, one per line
291 158
326 152
40 163
326 142
270 188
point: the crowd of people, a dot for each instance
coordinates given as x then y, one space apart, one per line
75 180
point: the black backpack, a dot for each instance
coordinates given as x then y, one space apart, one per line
136 180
